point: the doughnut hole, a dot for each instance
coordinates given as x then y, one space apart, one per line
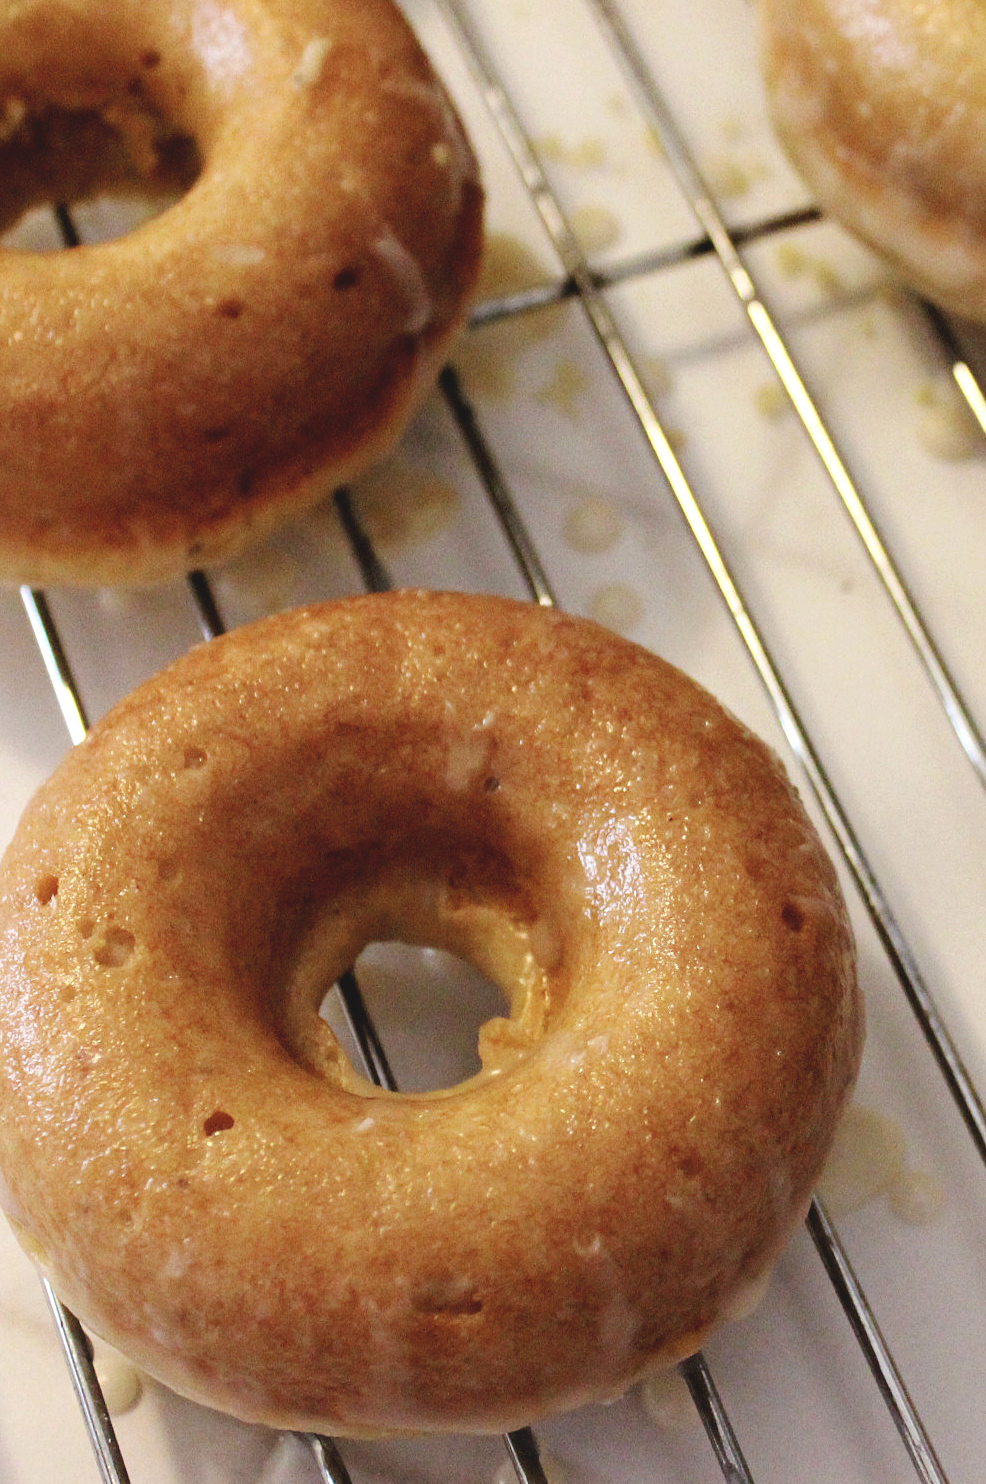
429 1008
84 118
458 988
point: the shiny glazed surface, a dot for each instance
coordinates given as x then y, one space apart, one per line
171 393
881 105
203 1176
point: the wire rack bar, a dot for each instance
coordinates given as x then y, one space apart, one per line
962 373
715 1418
703 205
957 1078
204 599
328 1460
521 1444
375 576
874 1346
507 512
78 1355
638 265
363 1032
55 661
939 1039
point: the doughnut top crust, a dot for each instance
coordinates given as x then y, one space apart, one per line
881 106
207 1181
167 395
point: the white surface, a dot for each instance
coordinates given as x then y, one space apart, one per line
798 1393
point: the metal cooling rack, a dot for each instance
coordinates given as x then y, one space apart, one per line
676 500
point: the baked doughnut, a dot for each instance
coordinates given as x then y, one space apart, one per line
209 1183
882 109
166 395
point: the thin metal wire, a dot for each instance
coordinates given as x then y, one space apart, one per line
525 1455
939 1038
638 265
715 1418
363 1031
78 1354
66 226
703 205
210 618
375 576
328 1459
953 1070
55 661
874 1346
513 527
962 373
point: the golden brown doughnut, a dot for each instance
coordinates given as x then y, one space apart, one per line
166 395
882 109
199 1170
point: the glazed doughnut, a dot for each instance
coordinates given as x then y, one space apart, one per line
882 109
169 394
207 1181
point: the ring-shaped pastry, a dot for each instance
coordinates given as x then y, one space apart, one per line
169 394
209 1183
881 107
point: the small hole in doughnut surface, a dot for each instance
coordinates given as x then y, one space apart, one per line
427 1006
792 917
217 1123
347 278
448 1298
114 948
46 889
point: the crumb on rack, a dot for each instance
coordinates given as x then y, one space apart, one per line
401 504
580 154
794 262
657 375
565 388
263 578
946 425
666 1400
487 356
654 144
868 1161
119 1381
771 400
730 176
596 227
616 606
593 526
